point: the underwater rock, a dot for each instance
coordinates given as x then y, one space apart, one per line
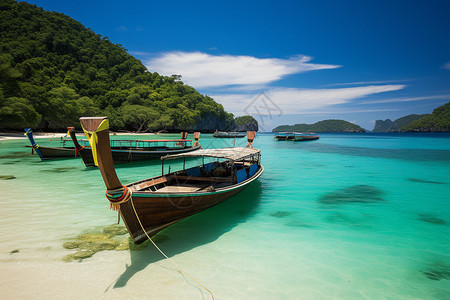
59 169
88 244
299 224
7 177
114 230
425 181
438 271
353 194
14 155
72 245
282 214
430 218
78 255
14 251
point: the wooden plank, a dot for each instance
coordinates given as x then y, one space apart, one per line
150 183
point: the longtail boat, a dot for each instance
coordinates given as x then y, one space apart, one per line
49 152
124 151
225 134
150 205
296 136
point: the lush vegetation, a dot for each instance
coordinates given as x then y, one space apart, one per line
439 120
54 70
322 126
397 125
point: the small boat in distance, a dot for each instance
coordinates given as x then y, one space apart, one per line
150 205
296 136
224 134
49 152
126 151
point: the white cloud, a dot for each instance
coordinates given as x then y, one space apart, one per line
446 66
370 82
205 70
406 99
298 101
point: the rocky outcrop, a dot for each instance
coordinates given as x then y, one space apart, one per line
397 125
211 123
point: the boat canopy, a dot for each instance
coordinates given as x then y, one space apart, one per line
236 153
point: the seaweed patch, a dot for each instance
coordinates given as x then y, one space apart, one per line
281 214
438 271
59 169
425 181
353 194
88 244
430 218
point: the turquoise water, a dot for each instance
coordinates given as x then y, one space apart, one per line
349 216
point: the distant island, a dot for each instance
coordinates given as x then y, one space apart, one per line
54 70
438 121
322 126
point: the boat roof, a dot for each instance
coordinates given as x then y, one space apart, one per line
155 141
235 153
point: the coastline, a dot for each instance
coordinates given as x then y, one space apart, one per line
41 135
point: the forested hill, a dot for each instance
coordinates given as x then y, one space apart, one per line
322 126
439 120
395 126
54 70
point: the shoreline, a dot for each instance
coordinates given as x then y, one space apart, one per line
41 135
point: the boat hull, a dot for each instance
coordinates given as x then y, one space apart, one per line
157 211
297 138
53 152
127 156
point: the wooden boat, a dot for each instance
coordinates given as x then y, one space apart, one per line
49 152
223 134
296 136
125 151
150 205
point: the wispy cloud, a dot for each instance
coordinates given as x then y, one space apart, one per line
407 99
121 29
297 101
446 66
370 82
205 70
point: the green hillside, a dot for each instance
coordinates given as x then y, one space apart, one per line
439 120
322 126
54 70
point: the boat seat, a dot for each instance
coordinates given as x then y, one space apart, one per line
150 183
193 172
241 175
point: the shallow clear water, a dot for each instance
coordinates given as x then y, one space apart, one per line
349 216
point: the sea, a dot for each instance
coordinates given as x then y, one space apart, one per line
348 216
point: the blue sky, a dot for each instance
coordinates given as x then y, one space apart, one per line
299 61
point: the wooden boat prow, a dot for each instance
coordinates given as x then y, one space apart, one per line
156 203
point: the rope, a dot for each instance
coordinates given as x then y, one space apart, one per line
118 196
174 263
78 150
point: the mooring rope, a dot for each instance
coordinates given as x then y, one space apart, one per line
174 263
